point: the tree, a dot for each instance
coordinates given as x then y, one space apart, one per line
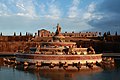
108 33
100 33
14 33
104 35
116 33
20 34
1 34
26 33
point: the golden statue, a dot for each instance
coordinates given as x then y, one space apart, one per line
58 30
58 37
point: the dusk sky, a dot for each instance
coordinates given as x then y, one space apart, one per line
73 15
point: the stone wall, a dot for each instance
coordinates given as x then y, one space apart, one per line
14 38
14 43
14 46
98 46
101 46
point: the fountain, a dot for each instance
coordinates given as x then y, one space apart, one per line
59 53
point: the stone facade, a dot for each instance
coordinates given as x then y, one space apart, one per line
46 33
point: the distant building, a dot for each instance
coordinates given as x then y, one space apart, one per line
43 33
46 33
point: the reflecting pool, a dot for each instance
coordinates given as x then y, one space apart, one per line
13 72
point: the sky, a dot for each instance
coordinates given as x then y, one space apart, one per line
72 15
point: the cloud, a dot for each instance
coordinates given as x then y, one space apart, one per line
74 15
111 6
42 8
108 16
48 9
19 7
53 12
15 23
73 10
75 24
90 13
26 24
4 9
26 8
23 15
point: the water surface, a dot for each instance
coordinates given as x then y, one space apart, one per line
11 72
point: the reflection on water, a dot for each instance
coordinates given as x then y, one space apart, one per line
12 72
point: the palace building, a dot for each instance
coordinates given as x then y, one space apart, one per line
46 33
